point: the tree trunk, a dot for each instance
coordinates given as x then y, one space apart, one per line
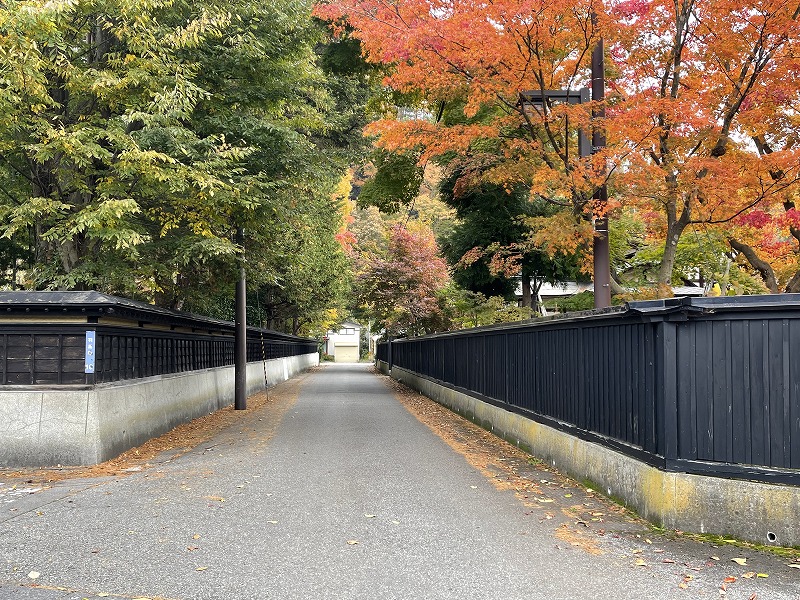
270 310
670 253
616 288
526 291
763 267
793 286
537 285
676 224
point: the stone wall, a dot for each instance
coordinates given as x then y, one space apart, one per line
758 512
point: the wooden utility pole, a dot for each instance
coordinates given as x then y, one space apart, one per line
240 355
602 261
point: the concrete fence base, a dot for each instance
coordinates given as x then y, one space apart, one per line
757 512
48 427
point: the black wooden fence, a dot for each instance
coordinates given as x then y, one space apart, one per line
382 352
43 340
702 385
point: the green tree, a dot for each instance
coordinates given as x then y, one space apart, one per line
490 248
136 136
465 308
94 107
395 184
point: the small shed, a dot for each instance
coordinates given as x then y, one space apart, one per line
345 343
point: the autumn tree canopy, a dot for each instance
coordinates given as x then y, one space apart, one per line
704 101
401 287
699 115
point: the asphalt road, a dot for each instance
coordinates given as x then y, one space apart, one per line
350 496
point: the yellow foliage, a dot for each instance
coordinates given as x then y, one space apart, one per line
562 234
654 292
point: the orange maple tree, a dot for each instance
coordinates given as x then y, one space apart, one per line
704 99
699 117
475 55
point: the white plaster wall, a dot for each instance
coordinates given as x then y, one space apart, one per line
85 426
341 339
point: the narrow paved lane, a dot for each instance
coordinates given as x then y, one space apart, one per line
350 496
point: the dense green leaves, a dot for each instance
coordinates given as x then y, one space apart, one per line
489 247
395 183
137 135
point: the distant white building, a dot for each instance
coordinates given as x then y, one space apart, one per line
344 344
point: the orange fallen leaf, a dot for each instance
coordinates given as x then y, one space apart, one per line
685 583
730 579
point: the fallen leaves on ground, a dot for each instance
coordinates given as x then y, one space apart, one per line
181 440
578 539
509 468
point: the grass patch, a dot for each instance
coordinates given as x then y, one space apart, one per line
789 553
